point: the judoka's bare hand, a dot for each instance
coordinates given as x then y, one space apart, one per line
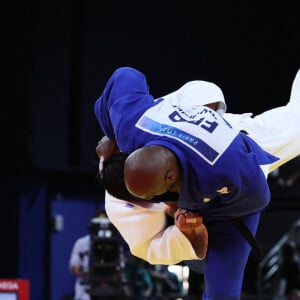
187 221
190 224
106 148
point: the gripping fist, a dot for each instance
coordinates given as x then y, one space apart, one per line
106 148
187 221
190 224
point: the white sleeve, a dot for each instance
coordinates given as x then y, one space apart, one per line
144 230
276 130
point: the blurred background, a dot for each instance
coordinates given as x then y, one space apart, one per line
57 56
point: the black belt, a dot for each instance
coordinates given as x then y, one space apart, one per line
247 234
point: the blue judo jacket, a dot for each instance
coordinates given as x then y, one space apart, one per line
222 177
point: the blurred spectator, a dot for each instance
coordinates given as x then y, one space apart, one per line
79 262
100 227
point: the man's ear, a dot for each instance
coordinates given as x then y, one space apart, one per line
170 177
213 105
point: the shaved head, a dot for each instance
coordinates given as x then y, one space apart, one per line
151 171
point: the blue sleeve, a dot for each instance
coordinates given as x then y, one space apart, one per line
123 82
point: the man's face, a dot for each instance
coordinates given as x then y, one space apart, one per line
154 191
150 188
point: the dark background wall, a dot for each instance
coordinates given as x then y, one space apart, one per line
59 54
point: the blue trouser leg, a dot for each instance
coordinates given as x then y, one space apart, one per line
226 259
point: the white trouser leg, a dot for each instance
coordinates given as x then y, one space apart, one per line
277 130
